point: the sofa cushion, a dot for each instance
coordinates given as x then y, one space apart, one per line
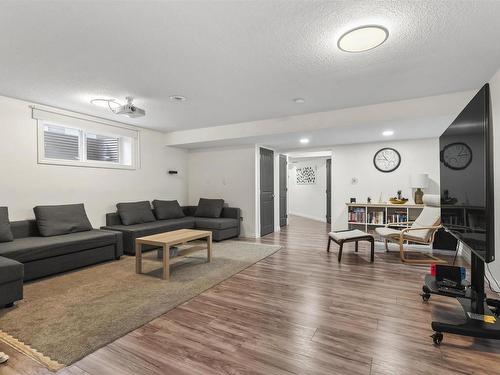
209 207
61 219
165 210
10 270
215 223
34 248
5 231
135 212
159 226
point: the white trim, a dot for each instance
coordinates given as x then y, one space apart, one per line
38 108
323 220
84 126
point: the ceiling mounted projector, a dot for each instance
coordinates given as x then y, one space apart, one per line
129 109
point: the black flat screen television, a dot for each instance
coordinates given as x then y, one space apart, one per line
466 177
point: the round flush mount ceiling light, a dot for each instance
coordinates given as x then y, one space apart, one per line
388 133
177 98
304 141
105 103
299 100
363 38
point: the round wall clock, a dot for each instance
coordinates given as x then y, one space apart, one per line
387 160
456 156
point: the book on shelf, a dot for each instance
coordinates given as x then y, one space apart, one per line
376 217
357 215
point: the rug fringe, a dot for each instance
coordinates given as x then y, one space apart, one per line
30 352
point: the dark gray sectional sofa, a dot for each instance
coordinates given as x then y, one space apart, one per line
224 227
44 256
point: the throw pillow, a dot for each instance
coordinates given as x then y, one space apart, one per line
135 212
209 207
5 231
165 210
61 219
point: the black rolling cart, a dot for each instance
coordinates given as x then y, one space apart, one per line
474 304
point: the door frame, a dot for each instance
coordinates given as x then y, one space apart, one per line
272 192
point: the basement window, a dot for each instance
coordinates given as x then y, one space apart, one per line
64 140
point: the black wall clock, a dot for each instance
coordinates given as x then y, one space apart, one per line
456 156
387 160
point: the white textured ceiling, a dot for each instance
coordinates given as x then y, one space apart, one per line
242 60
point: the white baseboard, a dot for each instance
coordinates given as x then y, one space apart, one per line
308 216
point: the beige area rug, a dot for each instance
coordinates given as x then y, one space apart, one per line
66 317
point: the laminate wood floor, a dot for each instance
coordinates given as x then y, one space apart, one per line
296 312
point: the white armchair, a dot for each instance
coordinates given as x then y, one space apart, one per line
421 231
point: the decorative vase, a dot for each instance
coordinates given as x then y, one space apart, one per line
418 196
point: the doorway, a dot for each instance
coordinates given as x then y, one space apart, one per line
283 190
329 191
266 191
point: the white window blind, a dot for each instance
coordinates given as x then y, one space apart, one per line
61 143
103 148
69 140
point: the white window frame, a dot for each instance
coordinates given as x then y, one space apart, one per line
84 125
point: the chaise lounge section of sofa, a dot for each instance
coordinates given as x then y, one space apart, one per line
44 256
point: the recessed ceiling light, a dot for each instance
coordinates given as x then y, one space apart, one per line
304 141
105 103
299 100
177 98
363 38
388 133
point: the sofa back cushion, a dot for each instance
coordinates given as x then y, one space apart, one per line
165 210
135 212
209 207
61 219
5 231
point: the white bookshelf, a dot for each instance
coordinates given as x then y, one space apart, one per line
368 216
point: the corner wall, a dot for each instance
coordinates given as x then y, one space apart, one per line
227 173
26 184
356 161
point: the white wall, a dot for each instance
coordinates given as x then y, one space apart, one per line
25 184
356 161
495 104
308 200
227 173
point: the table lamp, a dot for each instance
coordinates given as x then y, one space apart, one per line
419 181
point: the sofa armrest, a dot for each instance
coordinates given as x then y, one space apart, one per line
231 213
119 241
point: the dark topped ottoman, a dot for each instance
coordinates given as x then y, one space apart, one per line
11 282
354 235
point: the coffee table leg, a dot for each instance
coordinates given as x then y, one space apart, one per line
138 257
209 248
166 262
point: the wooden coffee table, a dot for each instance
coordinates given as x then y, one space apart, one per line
168 239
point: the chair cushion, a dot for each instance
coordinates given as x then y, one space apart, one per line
5 231
165 210
34 248
430 216
135 212
215 223
61 219
348 234
10 270
209 208
394 234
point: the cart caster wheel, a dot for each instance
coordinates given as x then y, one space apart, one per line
437 338
425 296
426 290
